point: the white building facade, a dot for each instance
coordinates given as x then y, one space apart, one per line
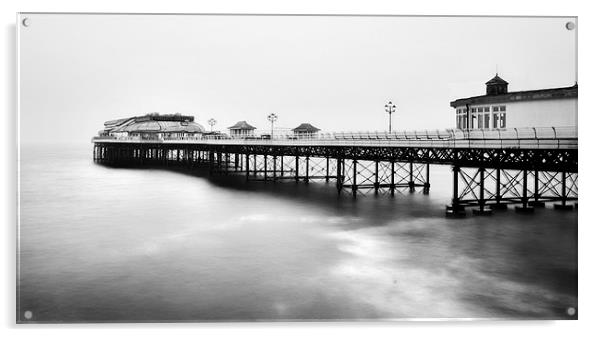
500 109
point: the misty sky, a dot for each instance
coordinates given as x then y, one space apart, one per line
77 71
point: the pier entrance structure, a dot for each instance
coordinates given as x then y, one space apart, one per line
501 109
491 168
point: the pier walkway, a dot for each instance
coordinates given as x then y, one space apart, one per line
491 168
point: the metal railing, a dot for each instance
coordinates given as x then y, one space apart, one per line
535 138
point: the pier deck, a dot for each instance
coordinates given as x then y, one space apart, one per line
491 168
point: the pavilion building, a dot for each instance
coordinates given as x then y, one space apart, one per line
305 130
153 126
242 129
500 109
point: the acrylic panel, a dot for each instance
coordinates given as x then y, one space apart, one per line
205 167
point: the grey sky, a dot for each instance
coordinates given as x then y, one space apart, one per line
77 71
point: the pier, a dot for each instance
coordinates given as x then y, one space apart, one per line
491 169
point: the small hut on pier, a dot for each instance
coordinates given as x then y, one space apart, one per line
242 129
305 130
154 126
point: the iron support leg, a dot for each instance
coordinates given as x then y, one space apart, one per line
563 205
296 168
376 184
247 166
525 208
307 169
392 187
427 184
354 185
275 164
265 167
482 189
563 188
455 209
536 202
411 183
482 210
339 174
498 191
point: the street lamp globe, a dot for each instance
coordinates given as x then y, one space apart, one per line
272 118
390 108
211 123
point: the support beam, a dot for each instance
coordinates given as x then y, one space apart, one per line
354 185
392 187
376 181
306 179
482 210
536 194
455 209
498 191
339 176
296 168
427 184
281 166
265 167
411 183
247 166
274 168
563 195
524 207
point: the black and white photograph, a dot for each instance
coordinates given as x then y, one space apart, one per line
195 168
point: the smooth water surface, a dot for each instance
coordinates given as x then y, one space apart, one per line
110 244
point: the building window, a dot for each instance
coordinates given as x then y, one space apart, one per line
499 117
480 117
461 118
499 120
458 118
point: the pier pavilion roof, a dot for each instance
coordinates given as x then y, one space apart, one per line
306 127
242 125
170 123
516 96
496 80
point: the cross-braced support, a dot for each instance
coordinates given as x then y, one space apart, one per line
482 178
489 189
376 175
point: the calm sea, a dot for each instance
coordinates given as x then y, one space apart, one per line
109 244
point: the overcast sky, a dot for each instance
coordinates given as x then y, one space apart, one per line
77 71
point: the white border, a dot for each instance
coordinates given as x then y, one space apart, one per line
589 59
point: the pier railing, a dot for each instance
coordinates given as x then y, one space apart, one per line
527 138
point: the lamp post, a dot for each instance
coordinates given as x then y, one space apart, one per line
390 108
272 118
212 122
